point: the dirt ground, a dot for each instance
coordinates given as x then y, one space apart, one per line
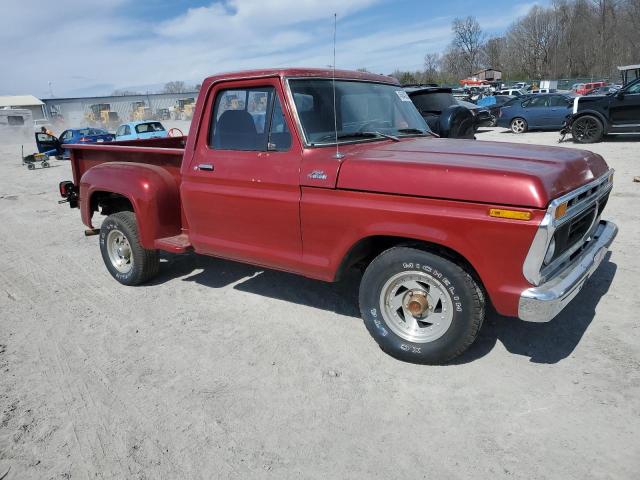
222 370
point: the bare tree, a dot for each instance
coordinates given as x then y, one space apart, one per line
175 87
123 92
468 39
432 67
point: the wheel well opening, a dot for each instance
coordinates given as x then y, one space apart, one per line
108 203
363 252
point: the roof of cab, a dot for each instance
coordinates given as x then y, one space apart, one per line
302 72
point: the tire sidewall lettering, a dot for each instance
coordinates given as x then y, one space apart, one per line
448 284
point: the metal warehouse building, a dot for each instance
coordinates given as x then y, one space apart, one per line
74 110
25 102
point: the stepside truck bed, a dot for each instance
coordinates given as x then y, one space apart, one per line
142 176
163 152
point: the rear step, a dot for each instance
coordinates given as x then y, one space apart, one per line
178 244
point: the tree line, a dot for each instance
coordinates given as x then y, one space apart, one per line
568 39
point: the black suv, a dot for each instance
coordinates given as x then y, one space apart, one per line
616 113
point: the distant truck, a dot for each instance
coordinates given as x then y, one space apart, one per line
271 176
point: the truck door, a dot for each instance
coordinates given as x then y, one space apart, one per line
625 107
241 192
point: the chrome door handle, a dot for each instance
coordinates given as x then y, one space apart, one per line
205 166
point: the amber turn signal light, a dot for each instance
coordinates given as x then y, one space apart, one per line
561 210
512 214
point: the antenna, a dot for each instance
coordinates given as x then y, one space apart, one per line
338 155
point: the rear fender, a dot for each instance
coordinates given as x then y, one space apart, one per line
152 191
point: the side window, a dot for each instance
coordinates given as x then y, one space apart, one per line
279 135
559 101
635 89
120 131
538 102
15 120
239 119
67 135
127 130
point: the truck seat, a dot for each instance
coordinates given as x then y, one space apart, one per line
235 130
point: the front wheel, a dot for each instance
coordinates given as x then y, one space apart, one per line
420 307
125 258
519 125
587 129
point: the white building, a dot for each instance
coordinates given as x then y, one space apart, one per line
27 102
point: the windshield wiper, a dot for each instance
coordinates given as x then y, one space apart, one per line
416 130
343 135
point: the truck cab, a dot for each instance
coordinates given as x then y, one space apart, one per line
317 172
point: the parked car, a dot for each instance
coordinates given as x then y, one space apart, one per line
542 111
481 115
585 88
617 113
543 90
604 90
140 131
442 228
72 136
512 92
494 103
442 112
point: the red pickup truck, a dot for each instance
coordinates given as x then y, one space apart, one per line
269 175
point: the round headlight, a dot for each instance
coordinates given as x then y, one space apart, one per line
550 252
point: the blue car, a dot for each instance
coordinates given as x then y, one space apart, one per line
140 130
55 146
542 112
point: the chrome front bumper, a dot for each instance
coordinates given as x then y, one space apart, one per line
542 303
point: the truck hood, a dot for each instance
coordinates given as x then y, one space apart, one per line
469 170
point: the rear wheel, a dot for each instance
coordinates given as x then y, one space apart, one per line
420 307
587 129
127 261
519 125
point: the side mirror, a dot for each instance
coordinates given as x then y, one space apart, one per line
620 95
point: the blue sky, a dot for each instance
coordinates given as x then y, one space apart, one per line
95 49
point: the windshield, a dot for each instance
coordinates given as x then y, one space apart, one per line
364 110
149 127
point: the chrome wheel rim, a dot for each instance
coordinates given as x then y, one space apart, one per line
416 306
517 126
119 251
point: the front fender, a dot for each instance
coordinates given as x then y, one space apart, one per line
595 113
152 190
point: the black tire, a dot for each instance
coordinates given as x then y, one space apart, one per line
45 164
587 129
467 300
145 263
519 125
31 166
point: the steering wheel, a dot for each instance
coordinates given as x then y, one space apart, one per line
173 131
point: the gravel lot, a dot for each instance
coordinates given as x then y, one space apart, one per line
222 370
